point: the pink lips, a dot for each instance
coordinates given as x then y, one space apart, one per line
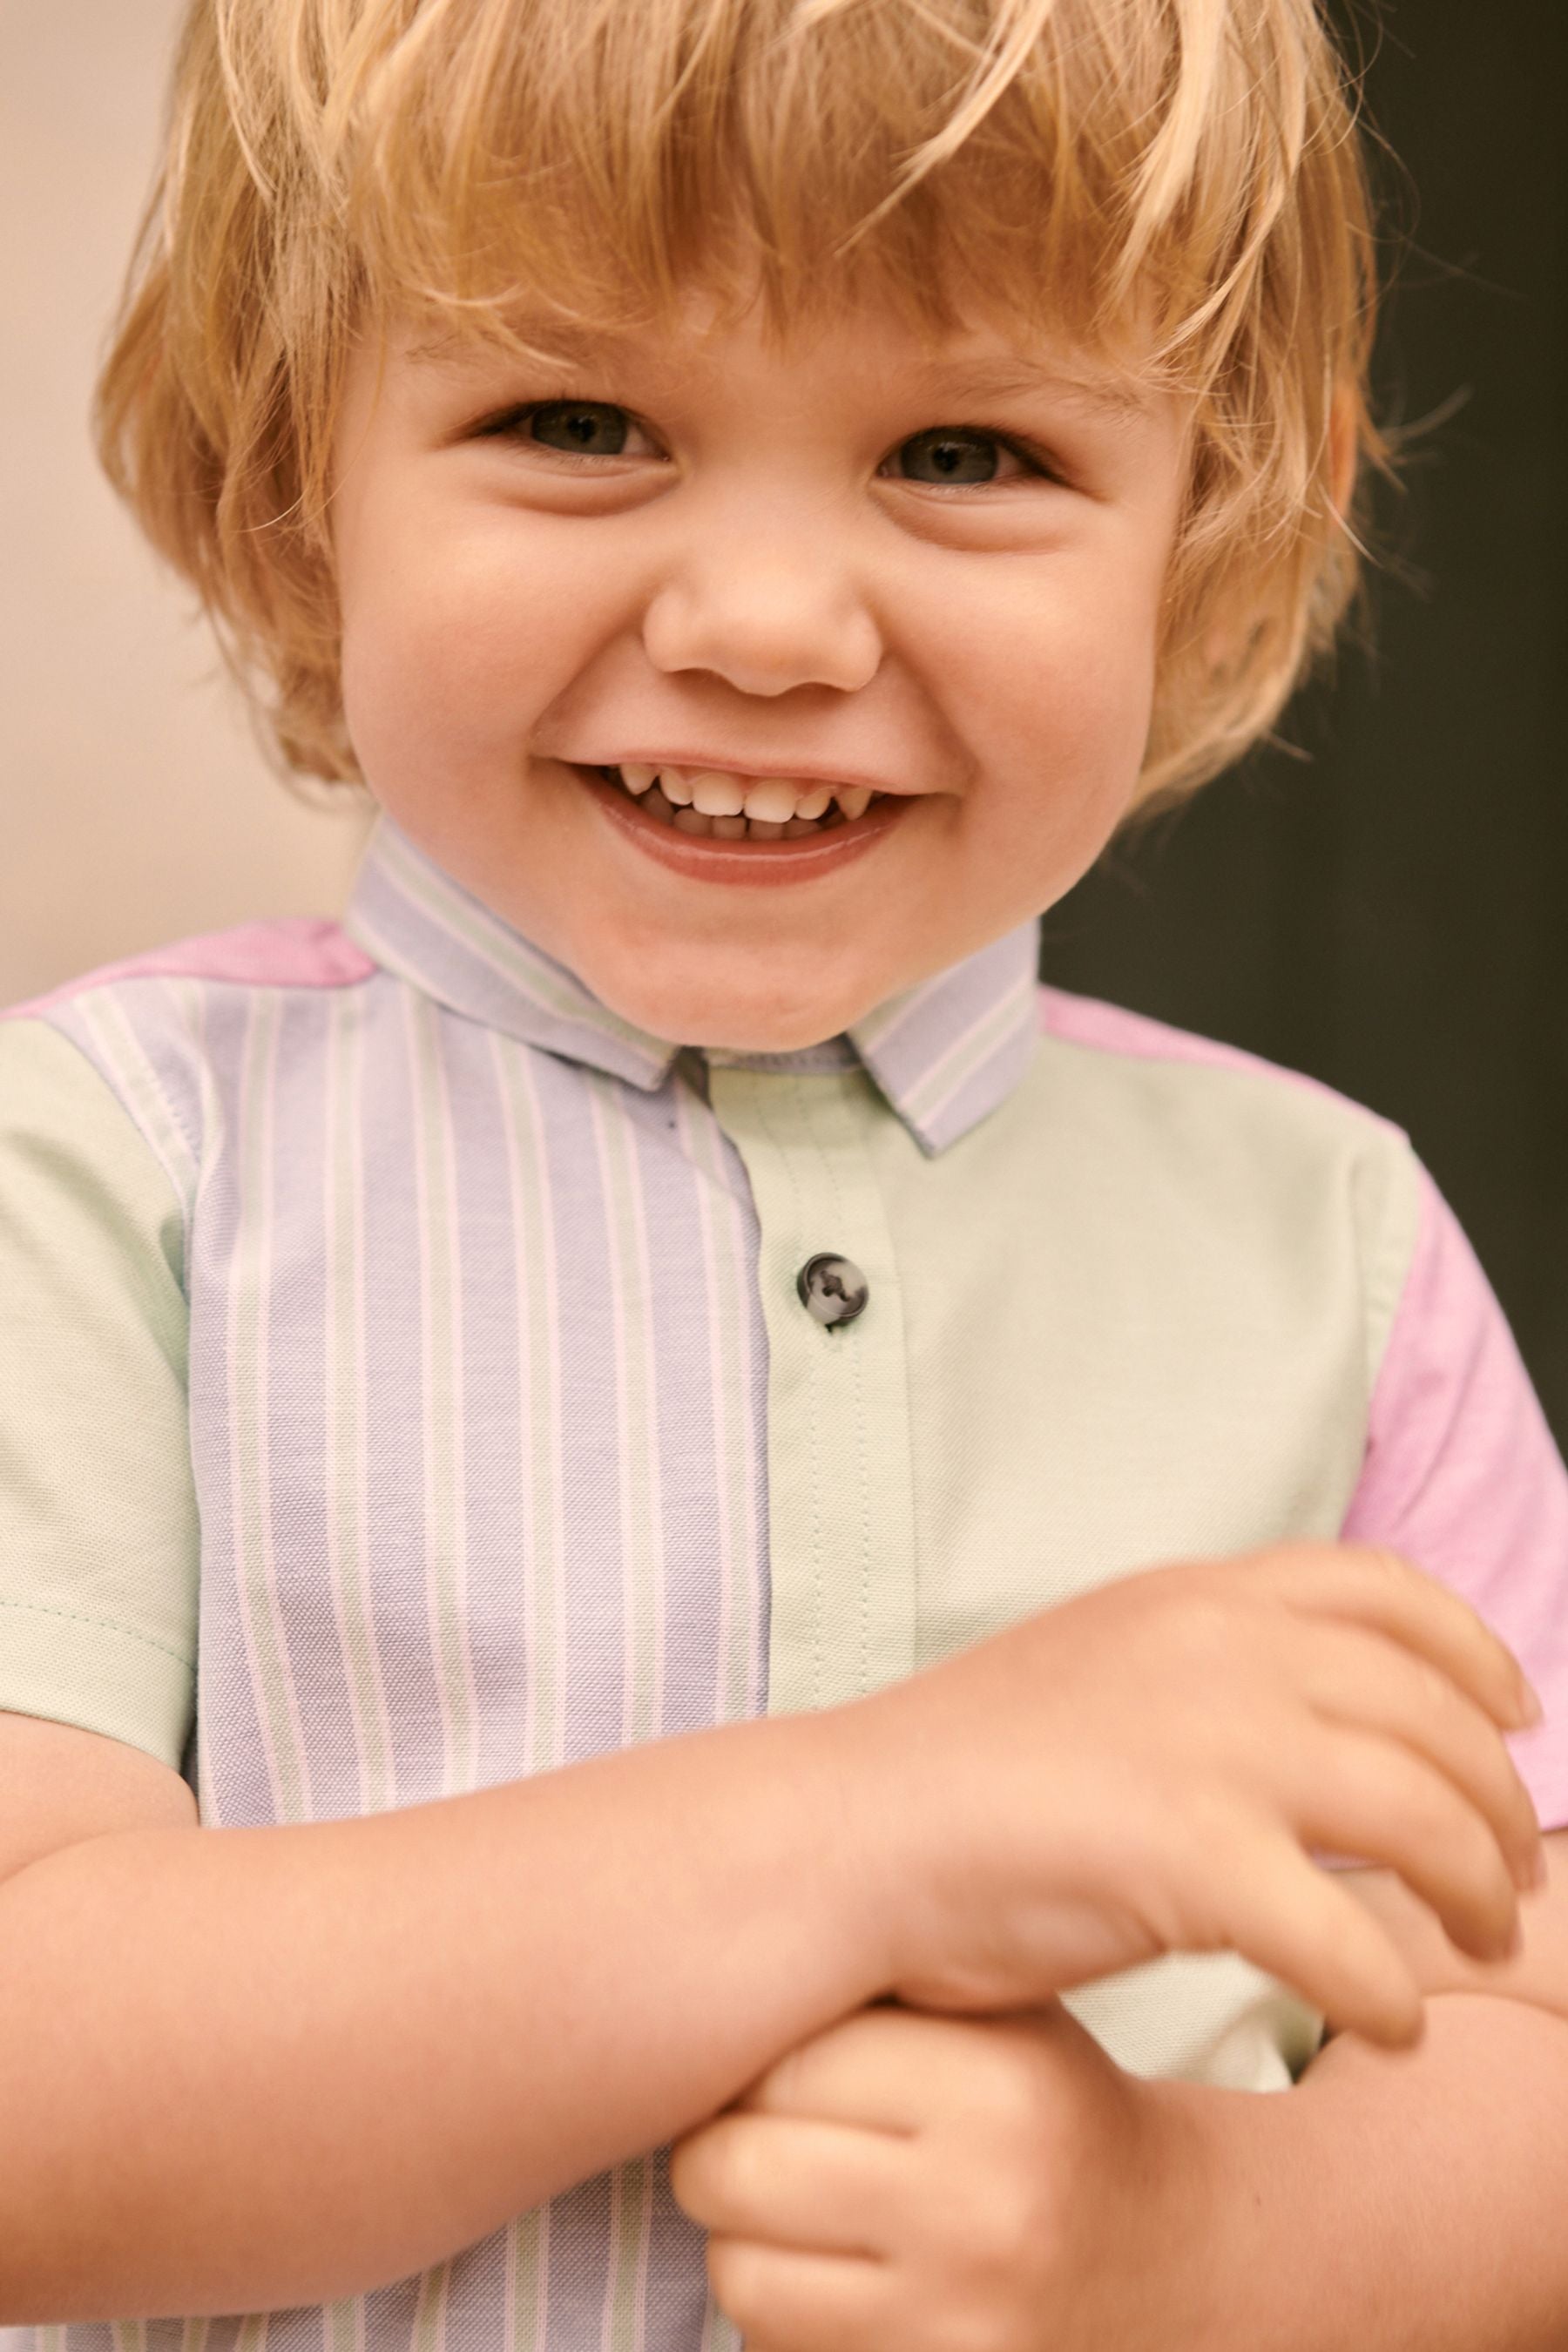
704 860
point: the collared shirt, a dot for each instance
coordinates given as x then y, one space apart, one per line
435 1339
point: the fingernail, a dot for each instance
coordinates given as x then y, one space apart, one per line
1530 1710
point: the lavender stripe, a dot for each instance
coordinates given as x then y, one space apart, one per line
345 1377
445 1552
261 1617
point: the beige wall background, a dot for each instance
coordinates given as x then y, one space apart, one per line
135 805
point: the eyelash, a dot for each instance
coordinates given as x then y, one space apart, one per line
1039 463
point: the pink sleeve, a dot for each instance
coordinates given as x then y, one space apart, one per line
1462 1476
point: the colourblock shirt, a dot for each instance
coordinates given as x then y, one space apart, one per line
405 1387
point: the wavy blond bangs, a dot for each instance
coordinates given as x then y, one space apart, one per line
1064 164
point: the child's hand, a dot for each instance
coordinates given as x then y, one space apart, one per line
910 2182
1143 1768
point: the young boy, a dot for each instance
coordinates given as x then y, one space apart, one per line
657 1450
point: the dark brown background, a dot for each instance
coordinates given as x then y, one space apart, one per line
1391 914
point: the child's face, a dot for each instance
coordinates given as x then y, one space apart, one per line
711 555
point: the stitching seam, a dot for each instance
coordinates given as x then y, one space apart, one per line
105 1625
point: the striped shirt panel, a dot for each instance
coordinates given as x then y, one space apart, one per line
477 1412
478 1484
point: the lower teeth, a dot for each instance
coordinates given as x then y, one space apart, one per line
690 820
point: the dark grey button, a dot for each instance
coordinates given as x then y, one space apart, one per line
832 1288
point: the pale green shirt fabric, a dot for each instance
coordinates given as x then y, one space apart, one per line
98 1537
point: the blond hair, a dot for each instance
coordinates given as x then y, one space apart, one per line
1068 163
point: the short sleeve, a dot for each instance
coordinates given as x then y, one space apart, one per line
98 1549
1461 1476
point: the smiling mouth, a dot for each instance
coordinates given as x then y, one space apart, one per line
709 805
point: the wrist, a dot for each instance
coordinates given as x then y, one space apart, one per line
901 1856
848 1841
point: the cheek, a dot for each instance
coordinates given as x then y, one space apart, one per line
450 645
1067 681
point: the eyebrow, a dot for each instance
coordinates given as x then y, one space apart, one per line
1003 377
452 349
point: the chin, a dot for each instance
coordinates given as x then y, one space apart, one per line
737 1018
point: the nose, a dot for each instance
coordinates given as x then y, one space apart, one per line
764 614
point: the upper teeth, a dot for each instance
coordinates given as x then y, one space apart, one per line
771 800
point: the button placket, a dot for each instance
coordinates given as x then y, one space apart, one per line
840 1499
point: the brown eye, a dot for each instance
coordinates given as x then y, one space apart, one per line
590 428
961 453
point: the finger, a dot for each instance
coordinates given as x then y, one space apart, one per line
1294 1920
1360 1678
816 2186
1374 1800
1376 1587
803 2302
884 2069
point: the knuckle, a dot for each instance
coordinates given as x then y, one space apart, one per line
1284 1561
1389 1569
972 2326
1431 1807
717 2167
1435 1695
1396 1587
1014 2236
1499 1911
1475 1847
1004 2085
969 2227
1463 1855
1002 2225
969 2318
1202 1843
1521 1803
1196 1631
738 2160
952 2323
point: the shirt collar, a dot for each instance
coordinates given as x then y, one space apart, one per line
942 1054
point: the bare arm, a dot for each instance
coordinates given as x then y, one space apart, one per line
246 2069
242 2069
1407 2201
